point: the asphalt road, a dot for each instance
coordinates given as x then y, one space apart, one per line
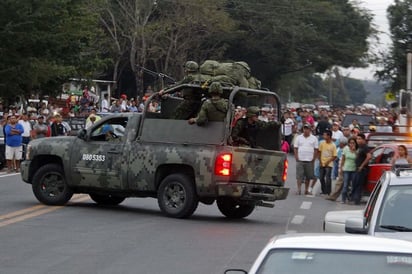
136 238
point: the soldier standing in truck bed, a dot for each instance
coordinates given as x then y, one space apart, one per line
246 129
214 109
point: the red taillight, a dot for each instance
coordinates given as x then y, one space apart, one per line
285 170
223 164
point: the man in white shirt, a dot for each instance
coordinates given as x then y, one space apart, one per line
105 104
24 121
287 128
306 150
337 134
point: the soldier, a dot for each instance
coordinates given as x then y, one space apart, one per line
214 109
189 107
191 69
245 131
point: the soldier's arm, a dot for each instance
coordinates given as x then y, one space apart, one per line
201 118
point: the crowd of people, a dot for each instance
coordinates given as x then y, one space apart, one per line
325 150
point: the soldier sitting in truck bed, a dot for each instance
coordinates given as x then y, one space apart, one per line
246 129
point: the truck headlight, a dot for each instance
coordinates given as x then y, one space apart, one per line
28 152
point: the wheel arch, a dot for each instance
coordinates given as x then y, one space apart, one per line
167 169
41 160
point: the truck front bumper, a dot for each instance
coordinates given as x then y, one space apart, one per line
24 170
252 191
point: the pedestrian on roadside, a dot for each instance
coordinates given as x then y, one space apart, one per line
362 159
14 149
27 128
348 166
327 154
306 150
40 128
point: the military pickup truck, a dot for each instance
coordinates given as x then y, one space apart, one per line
155 154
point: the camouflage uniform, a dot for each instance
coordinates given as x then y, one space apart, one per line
214 109
191 71
245 132
189 107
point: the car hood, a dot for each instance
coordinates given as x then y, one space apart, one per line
341 216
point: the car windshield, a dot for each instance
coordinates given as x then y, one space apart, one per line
396 214
314 261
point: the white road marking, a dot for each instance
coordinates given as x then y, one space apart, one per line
306 205
298 219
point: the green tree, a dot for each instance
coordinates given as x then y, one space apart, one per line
188 30
44 42
280 37
394 62
356 90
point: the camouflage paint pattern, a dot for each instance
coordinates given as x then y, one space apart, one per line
132 165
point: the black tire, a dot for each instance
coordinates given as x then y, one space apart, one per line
177 196
233 209
106 199
49 185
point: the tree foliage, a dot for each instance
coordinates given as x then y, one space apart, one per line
400 25
43 43
284 41
285 36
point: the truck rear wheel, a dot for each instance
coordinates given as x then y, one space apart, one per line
49 185
106 199
233 209
177 196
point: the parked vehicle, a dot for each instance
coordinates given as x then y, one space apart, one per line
387 212
381 159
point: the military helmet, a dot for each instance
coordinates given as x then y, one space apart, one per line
244 65
252 111
215 88
191 66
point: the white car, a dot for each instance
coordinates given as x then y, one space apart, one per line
388 212
332 253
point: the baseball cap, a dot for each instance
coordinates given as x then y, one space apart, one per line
306 125
40 117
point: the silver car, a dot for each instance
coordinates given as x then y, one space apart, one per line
388 212
332 253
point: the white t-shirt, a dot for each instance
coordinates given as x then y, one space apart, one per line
27 128
105 105
287 127
336 135
306 147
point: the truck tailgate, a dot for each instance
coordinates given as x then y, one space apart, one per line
258 166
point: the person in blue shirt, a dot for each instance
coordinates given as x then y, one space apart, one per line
14 140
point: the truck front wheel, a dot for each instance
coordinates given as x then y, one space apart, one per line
177 196
49 185
233 209
106 199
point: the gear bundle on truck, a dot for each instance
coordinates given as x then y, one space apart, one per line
154 154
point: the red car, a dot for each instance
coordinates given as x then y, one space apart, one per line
381 160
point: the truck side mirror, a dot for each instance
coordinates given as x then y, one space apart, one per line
82 134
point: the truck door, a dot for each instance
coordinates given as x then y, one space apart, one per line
97 161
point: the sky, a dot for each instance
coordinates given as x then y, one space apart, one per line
378 9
